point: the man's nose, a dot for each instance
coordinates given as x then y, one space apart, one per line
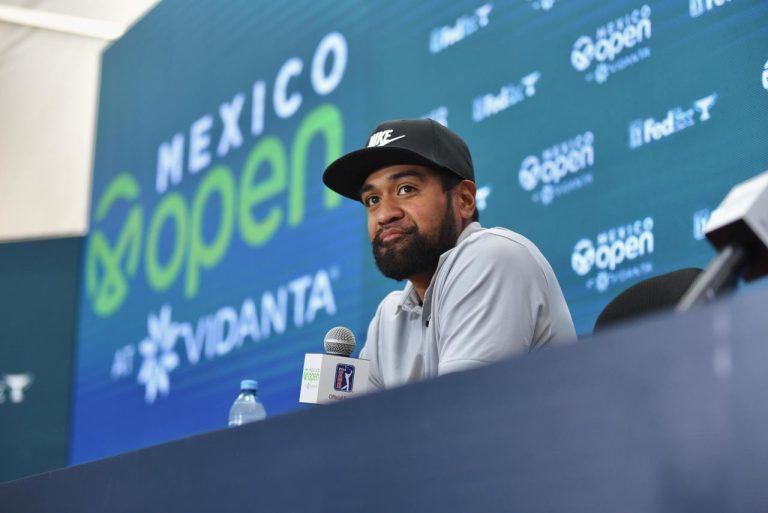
389 211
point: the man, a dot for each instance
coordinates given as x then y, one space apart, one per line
474 295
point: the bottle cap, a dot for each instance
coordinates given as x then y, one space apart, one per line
249 384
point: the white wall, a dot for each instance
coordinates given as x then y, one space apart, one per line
48 103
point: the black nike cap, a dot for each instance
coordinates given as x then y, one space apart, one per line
406 141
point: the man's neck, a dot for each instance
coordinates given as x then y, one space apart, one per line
421 283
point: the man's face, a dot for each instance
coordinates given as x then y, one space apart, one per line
411 220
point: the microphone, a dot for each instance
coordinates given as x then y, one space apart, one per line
339 341
334 376
738 229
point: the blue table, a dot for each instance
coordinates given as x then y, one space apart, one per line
668 414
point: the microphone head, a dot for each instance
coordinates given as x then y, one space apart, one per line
339 341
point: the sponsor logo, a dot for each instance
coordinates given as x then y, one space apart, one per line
13 386
447 36
765 76
698 7
311 377
508 96
132 235
645 131
543 5
383 138
345 378
440 115
613 47
700 219
170 344
481 197
113 258
618 254
558 169
198 150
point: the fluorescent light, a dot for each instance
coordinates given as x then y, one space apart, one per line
88 27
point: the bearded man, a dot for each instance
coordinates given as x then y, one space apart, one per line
474 295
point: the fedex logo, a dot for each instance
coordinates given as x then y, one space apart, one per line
645 131
698 7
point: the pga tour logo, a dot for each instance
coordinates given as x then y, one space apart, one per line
644 131
612 252
555 168
612 40
345 377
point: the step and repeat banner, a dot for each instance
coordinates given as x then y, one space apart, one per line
606 132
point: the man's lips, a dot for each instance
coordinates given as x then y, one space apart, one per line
391 235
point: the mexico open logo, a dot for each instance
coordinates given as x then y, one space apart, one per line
614 254
222 202
613 47
109 268
557 169
184 231
583 257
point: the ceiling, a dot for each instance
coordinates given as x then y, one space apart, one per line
48 95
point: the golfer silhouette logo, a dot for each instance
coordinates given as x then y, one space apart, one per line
345 378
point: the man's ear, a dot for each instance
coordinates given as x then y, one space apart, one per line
464 198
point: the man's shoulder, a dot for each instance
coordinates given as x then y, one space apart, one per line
497 242
498 231
498 252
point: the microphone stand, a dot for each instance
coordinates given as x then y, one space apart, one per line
721 275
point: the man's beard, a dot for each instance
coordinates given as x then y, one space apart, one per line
417 254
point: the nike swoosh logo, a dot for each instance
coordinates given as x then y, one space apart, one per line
384 143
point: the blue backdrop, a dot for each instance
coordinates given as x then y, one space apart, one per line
604 131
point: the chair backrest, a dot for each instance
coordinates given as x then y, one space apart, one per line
651 295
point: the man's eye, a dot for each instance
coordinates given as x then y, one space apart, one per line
370 201
405 189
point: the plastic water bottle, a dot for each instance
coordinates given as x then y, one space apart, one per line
247 407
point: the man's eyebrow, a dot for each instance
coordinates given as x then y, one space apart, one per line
397 176
406 172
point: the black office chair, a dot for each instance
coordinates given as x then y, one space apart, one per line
648 296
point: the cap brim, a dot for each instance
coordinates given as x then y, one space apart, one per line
347 174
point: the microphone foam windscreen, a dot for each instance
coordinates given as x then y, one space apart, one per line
340 341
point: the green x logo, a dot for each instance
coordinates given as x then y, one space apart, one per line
107 266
